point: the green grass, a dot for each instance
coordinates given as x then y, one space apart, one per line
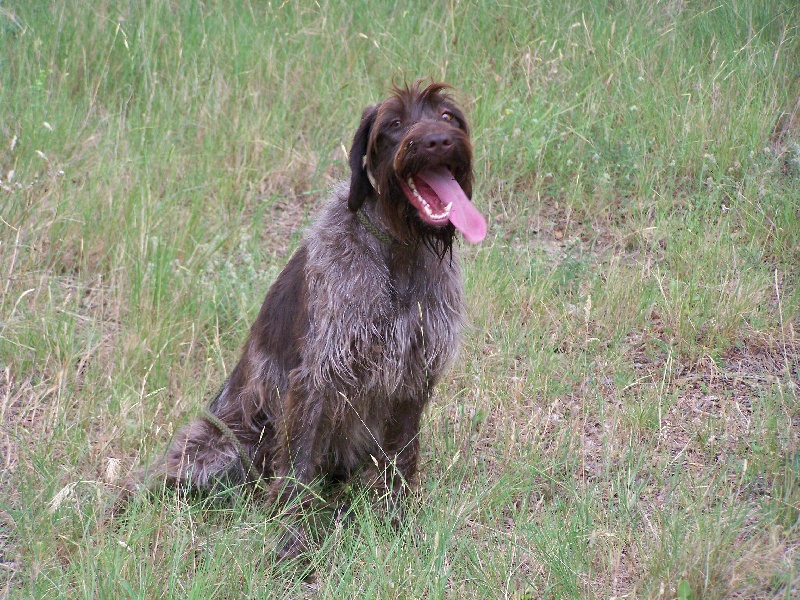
623 419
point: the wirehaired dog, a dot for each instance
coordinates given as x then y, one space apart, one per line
358 328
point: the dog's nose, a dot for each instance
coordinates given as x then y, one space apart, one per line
438 143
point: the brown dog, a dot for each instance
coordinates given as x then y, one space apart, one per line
360 325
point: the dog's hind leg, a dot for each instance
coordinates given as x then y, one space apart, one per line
217 448
199 456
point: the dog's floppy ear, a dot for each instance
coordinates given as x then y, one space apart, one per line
359 180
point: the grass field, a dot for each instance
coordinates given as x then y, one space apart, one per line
624 418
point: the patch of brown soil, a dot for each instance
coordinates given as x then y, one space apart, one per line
709 406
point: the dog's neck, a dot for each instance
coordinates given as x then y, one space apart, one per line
378 233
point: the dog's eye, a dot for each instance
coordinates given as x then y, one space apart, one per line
395 124
447 116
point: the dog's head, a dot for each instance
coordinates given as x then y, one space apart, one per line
412 155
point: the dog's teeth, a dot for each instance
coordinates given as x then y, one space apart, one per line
427 207
418 196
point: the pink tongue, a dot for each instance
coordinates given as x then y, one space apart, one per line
463 215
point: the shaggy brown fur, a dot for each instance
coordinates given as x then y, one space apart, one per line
353 334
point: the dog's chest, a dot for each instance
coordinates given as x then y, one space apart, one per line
383 330
421 325
406 279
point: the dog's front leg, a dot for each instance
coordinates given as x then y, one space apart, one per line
401 450
296 468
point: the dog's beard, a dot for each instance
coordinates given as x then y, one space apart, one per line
439 239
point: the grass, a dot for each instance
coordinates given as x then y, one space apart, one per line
623 420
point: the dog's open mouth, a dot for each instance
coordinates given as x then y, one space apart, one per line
438 198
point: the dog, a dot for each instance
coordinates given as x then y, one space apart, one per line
357 329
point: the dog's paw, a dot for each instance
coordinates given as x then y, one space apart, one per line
293 544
